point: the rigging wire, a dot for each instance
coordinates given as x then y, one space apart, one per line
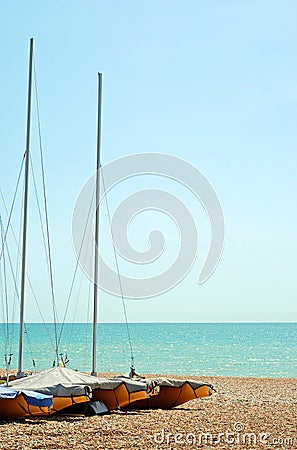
18 257
5 302
118 273
12 205
75 309
39 212
4 234
75 270
2 299
88 314
55 315
16 290
78 296
27 276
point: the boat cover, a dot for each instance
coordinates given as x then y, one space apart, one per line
31 397
131 384
169 382
7 392
63 382
165 382
57 381
37 399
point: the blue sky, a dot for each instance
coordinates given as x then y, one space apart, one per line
211 82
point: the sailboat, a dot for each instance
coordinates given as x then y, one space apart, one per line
173 392
164 393
19 405
59 388
65 388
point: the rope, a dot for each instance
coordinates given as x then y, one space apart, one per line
118 273
55 316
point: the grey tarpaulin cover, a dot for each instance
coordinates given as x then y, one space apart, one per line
61 382
58 381
169 382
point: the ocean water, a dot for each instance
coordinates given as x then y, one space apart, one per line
227 349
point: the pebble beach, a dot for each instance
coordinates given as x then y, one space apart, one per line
244 413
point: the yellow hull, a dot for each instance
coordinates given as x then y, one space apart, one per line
18 406
118 398
170 396
13 408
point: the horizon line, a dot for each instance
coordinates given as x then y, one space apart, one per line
161 322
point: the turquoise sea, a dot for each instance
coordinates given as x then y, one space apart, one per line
235 349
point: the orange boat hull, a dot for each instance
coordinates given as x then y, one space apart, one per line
170 396
117 398
18 407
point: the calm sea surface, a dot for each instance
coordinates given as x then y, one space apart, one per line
235 349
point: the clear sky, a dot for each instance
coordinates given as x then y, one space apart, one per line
212 82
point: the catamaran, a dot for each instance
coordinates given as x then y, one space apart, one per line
59 388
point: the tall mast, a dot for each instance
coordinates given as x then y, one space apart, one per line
27 157
96 274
